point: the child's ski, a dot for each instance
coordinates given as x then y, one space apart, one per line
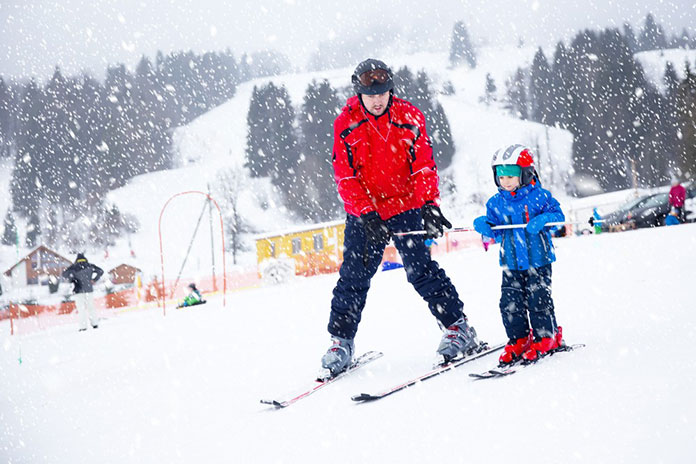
318 384
504 371
364 397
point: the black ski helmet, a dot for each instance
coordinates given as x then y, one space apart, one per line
375 87
518 155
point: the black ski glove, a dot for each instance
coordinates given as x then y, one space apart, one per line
375 228
434 222
376 231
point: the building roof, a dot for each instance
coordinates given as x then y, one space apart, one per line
113 269
299 229
32 252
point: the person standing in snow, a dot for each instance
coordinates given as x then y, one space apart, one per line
387 178
83 275
526 254
677 198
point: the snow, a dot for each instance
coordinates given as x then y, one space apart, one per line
654 63
185 387
216 141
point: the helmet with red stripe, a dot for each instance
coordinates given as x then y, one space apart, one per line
517 155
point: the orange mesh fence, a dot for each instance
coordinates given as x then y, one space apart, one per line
32 318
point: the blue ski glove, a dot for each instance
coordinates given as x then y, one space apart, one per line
483 227
537 224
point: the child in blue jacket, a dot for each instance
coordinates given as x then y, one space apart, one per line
526 254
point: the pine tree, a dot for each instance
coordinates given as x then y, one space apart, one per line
256 160
318 198
652 37
271 140
437 124
6 136
61 138
461 49
405 84
516 101
283 144
26 182
630 38
93 115
490 90
440 133
686 113
9 234
33 230
540 89
670 129
560 103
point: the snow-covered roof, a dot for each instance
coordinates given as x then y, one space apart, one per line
297 230
36 249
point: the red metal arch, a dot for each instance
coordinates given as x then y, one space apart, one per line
222 234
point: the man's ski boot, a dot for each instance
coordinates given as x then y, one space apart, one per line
337 359
541 347
514 350
459 340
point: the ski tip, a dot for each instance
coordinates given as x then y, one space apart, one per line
362 397
275 403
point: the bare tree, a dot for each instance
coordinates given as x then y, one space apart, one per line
230 185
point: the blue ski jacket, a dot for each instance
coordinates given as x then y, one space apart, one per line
521 249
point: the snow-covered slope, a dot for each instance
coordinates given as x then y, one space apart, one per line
654 63
186 387
216 141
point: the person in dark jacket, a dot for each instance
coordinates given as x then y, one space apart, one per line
526 254
83 274
388 181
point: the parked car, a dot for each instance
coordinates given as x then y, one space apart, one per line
647 211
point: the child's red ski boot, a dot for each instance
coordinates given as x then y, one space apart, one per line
544 346
514 349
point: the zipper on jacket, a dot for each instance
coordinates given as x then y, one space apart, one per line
513 249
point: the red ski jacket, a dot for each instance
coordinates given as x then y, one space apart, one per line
384 163
677 196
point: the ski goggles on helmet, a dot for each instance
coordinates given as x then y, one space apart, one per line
368 78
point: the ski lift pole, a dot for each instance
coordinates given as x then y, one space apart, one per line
188 251
503 227
212 241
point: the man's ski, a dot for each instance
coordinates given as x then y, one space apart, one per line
318 384
504 371
486 350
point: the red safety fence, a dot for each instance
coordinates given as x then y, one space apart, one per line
31 318
26 318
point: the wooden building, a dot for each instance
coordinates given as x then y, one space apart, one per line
123 274
36 268
315 249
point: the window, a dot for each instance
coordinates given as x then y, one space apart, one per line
35 261
318 242
273 250
296 245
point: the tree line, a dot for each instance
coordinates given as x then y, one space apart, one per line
623 126
294 149
75 138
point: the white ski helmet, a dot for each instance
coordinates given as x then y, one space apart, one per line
519 155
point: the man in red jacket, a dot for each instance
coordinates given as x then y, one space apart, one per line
385 172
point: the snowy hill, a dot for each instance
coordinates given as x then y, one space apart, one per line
654 63
186 387
216 141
